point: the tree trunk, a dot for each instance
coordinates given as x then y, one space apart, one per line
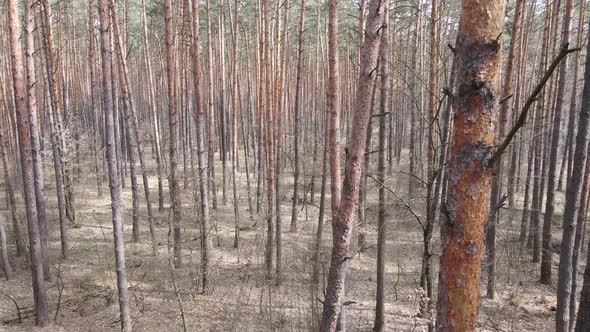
268 109
34 131
202 153
174 186
580 228
26 158
547 253
476 95
280 73
234 127
379 325
297 115
115 188
499 166
342 216
134 142
152 105
4 253
9 177
57 145
93 106
571 206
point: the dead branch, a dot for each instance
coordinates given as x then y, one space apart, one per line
529 102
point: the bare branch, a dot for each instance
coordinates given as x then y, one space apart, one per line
532 98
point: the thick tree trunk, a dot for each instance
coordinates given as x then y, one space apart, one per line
342 216
476 96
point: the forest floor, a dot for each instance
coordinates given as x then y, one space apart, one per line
240 298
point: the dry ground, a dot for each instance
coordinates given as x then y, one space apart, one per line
241 299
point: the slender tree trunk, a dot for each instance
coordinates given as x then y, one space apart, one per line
342 216
297 115
4 253
580 227
34 130
9 177
210 108
526 213
268 109
280 62
93 105
115 188
202 153
26 158
547 253
174 186
414 119
499 166
431 196
57 146
333 100
571 207
379 325
153 108
537 197
234 127
134 142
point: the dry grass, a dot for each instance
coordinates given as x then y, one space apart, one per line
241 299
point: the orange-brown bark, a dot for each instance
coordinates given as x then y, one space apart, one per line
476 100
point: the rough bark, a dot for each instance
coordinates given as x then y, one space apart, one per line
476 100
